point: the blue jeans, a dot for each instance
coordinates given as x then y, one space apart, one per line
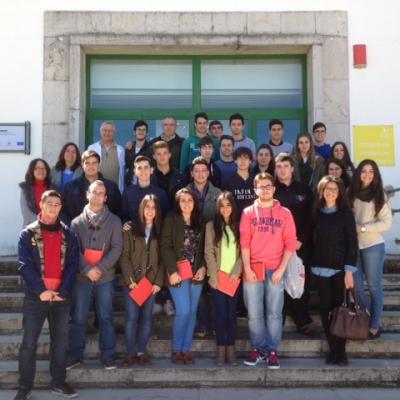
186 299
264 302
132 313
81 299
370 264
35 313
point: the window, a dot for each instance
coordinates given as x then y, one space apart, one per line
127 88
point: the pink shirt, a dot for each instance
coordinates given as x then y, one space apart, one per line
268 233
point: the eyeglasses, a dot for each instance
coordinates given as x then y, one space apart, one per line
265 187
320 131
142 129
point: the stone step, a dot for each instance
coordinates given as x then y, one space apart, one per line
13 283
295 372
11 323
293 345
12 301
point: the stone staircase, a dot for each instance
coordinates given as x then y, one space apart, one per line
372 363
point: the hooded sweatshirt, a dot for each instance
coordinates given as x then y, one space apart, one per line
267 233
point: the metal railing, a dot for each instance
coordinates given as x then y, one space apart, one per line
390 192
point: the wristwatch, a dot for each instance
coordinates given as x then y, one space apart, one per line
363 228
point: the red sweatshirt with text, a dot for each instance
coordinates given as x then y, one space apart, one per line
268 233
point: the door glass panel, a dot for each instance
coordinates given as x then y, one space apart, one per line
251 84
227 130
291 129
141 84
125 129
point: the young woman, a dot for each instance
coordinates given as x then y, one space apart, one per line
308 166
334 256
265 161
336 168
222 252
37 181
373 217
68 166
340 151
183 240
140 258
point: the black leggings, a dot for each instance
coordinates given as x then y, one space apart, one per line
331 291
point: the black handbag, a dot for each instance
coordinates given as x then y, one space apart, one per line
350 320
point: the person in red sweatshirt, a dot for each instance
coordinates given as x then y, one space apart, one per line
48 258
267 241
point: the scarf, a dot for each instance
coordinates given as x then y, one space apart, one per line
367 194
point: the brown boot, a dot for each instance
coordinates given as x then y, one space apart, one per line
231 356
220 356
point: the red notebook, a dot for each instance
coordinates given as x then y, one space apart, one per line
225 286
184 270
142 291
92 257
259 270
52 283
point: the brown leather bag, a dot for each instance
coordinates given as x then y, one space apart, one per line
350 320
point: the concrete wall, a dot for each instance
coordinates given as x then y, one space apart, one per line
37 61
69 36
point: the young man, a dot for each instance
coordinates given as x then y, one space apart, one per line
48 256
276 138
112 155
236 123
216 129
100 232
74 196
134 194
174 141
206 152
139 147
298 198
206 192
267 239
164 175
191 145
319 133
240 184
226 163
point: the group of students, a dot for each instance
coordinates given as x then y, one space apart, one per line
195 231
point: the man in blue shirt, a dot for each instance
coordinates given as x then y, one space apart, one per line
319 133
134 194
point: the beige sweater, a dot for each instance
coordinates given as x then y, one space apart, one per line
364 214
212 255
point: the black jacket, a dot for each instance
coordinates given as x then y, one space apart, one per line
130 155
175 146
74 197
335 240
215 176
298 198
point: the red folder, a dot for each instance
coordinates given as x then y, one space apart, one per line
52 283
92 257
259 269
142 291
184 270
225 286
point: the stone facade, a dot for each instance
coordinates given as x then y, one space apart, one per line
70 36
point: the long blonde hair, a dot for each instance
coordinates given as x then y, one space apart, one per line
311 155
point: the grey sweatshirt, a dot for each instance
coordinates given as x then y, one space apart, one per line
108 233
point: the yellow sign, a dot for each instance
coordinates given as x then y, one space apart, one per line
375 142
